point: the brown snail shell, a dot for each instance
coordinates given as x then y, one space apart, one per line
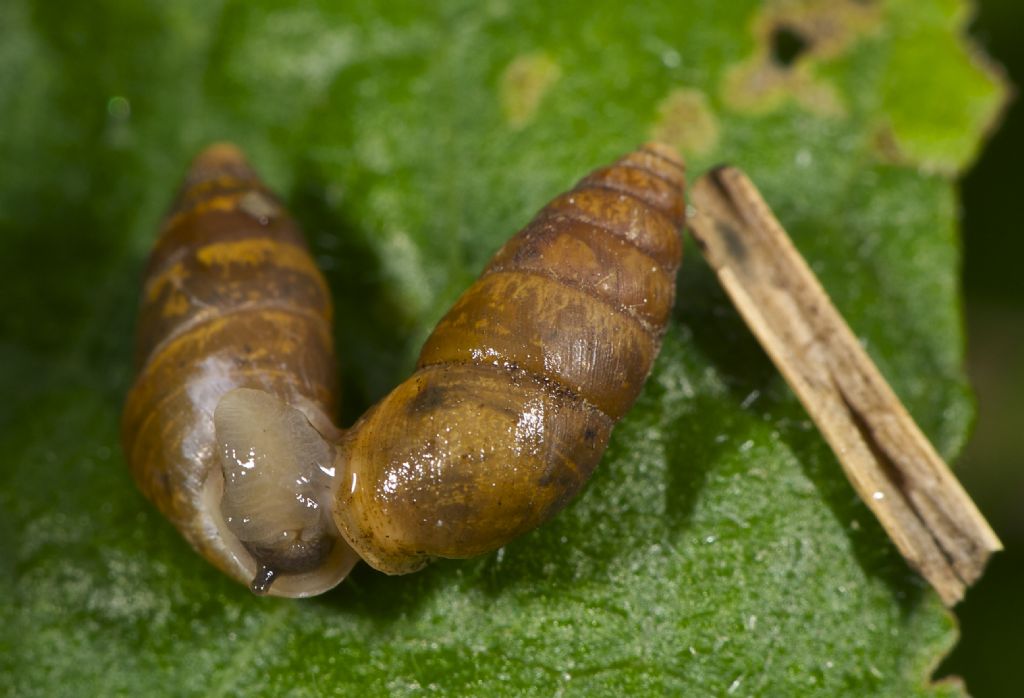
509 411
518 388
231 299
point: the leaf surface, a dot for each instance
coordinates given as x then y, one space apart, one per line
717 550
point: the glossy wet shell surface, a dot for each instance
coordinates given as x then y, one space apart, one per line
519 385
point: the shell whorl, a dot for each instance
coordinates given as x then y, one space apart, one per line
591 281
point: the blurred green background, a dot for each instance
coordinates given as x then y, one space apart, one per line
991 648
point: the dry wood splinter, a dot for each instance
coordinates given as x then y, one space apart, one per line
890 463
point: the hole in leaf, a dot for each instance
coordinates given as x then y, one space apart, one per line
787 45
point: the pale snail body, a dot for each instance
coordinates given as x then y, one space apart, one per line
508 413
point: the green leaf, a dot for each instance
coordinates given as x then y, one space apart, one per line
718 549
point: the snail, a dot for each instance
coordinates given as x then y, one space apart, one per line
228 427
232 300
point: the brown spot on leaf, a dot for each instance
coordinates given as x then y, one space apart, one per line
788 44
886 147
523 85
686 121
792 39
